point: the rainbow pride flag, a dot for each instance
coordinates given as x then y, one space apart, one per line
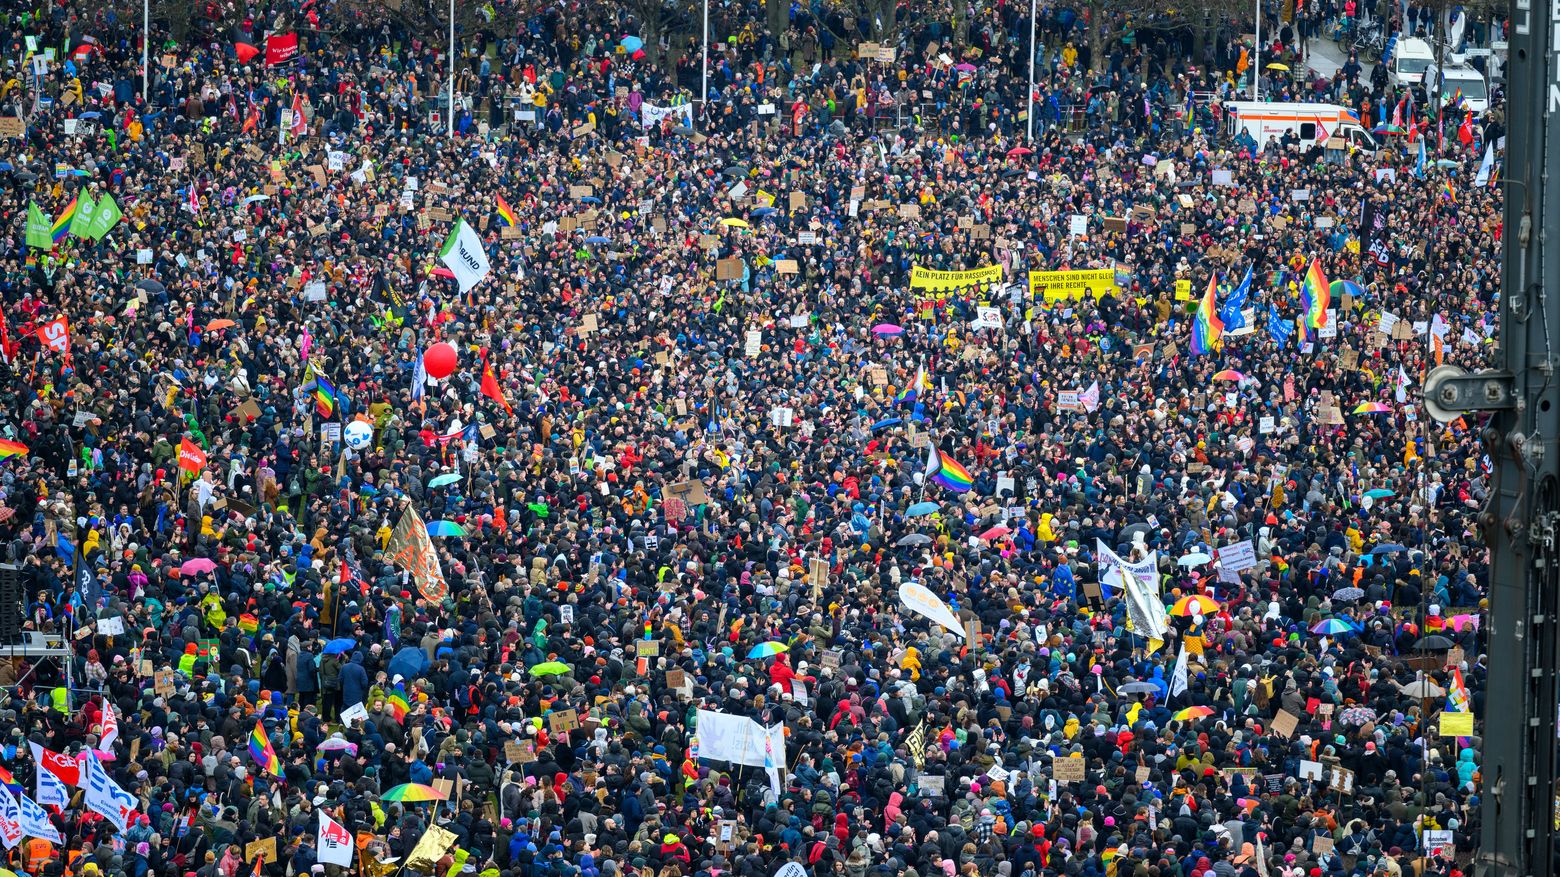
260 750
61 226
1207 328
501 207
946 471
398 705
12 449
1315 295
1446 189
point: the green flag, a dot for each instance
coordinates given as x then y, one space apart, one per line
104 218
81 223
38 228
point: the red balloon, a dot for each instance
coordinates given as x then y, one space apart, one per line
439 360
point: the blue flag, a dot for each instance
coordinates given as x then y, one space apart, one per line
1278 327
1229 312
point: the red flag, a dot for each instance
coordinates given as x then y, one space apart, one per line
490 387
280 48
55 335
67 769
300 125
191 457
1465 130
245 52
5 336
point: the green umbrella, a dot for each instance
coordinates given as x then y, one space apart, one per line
551 668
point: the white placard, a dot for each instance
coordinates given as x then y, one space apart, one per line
1238 557
113 625
753 343
1078 225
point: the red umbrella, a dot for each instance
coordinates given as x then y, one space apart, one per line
246 52
1017 151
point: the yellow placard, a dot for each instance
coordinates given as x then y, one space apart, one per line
1456 724
1183 290
926 278
1061 285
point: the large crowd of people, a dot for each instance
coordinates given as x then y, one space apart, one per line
753 509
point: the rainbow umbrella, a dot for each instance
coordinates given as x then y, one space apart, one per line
1333 627
445 528
1194 604
412 793
767 650
1373 408
1193 712
1228 374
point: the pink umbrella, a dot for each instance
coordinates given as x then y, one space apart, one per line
888 329
1461 622
996 532
197 566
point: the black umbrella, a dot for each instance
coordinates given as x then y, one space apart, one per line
1434 643
151 286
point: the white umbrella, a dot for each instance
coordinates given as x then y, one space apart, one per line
1423 689
1196 558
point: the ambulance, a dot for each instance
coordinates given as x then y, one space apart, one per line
1313 124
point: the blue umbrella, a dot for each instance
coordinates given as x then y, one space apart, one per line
94 114
632 44
886 423
763 211
408 663
598 239
920 508
1379 493
1387 548
340 646
591 199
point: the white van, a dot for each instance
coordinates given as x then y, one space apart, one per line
1444 84
1313 124
1411 57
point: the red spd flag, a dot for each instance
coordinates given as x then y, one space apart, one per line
55 335
280 48
191 457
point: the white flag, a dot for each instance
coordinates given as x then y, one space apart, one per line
1401 390
1144 608
335 842
462 252
1178 680
10 820
35 822
1485 166
105 797
49 789
110 727
1090 398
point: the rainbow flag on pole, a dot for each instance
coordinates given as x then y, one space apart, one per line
260 750
1315 295
61 226
501 207
12 449
1207 328
946 471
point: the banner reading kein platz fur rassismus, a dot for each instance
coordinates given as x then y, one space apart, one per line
1061 285
927 278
